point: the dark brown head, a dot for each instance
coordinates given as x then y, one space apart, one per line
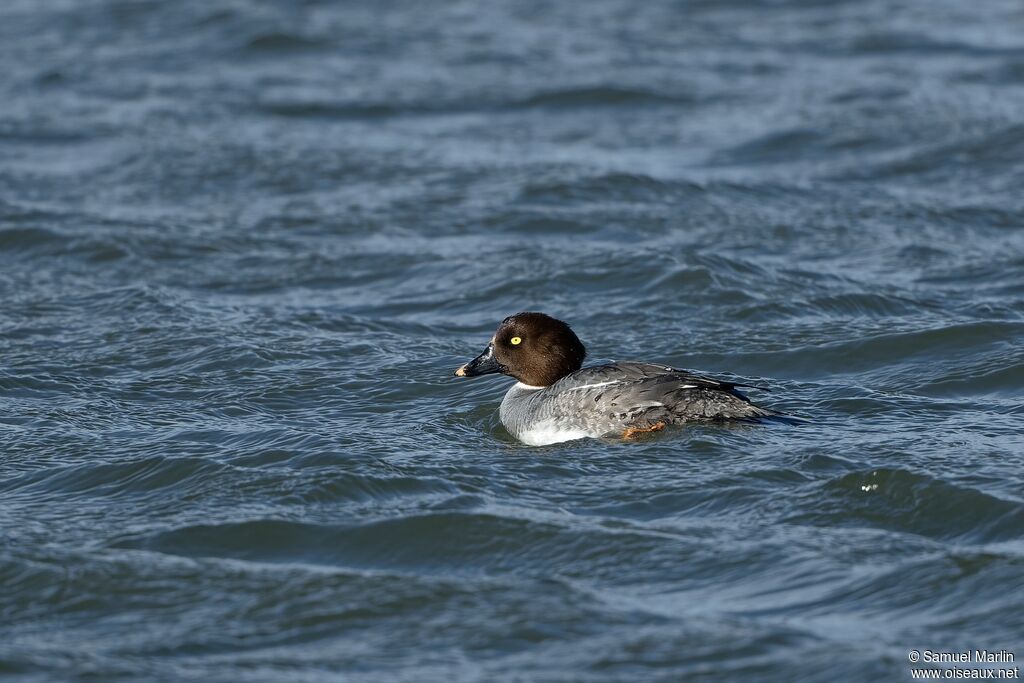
534 348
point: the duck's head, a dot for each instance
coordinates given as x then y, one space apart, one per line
534 348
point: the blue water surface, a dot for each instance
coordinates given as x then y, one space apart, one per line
244 243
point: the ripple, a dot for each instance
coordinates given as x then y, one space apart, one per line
907 502
444 542
279 41
12 239
940 345
146 476
334 110
605 188
996 149
598 96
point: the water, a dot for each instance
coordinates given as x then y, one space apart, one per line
244 244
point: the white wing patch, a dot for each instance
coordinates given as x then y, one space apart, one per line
597 384
608 383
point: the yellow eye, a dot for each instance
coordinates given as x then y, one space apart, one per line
515 340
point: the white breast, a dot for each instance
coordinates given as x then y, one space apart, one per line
550 431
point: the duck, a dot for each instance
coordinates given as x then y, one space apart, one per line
555 399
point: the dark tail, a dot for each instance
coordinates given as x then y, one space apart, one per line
769 415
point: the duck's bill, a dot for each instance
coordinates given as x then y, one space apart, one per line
484 364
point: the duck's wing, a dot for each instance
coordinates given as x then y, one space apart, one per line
637 394
630 372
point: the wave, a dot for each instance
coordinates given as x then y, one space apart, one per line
145 476
584 97
907 502
997 150
601 95
449 542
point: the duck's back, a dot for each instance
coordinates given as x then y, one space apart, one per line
605 399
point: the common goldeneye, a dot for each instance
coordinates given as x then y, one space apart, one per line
554 400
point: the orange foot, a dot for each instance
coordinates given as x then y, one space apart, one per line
632 432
